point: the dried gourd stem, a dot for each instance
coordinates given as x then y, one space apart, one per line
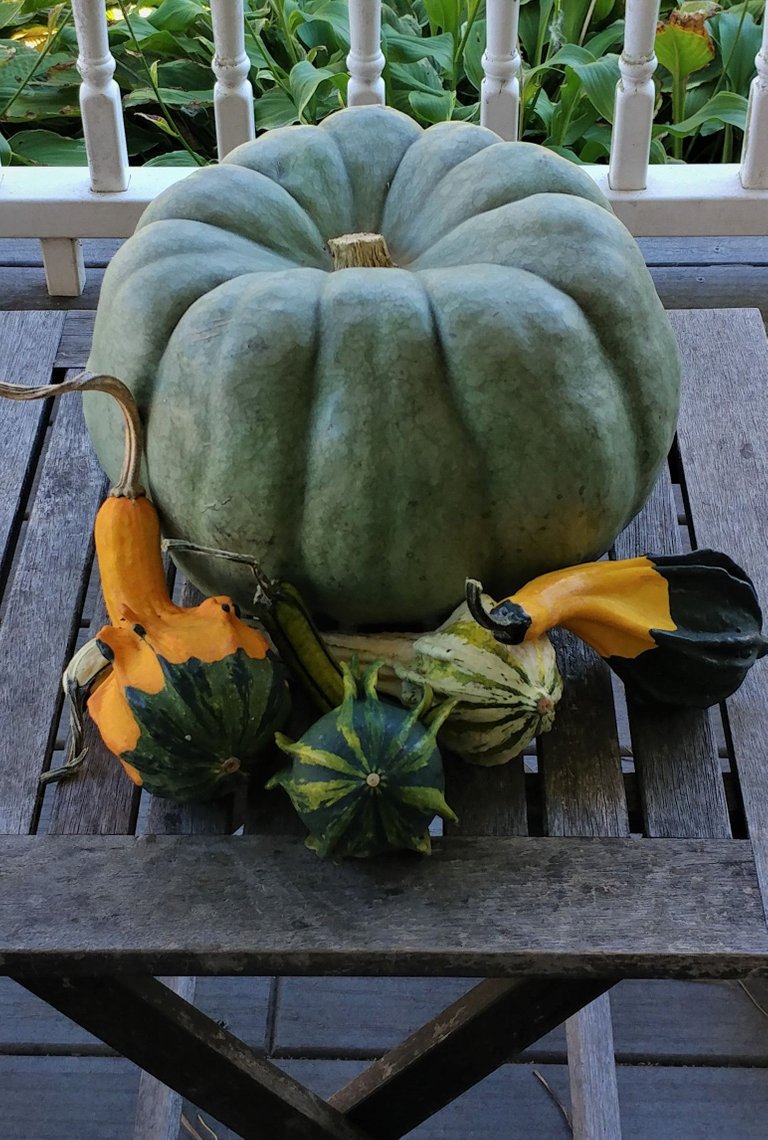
182 546
127 485
360 251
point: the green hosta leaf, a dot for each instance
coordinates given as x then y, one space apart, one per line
176 15
8 14
410 49
45 148
431 108
335 13
184 74
305 80
466 112
576 13
610 37
443 15
415 77
5 151
565 152
274 109
175 158
658 155
473 54
43 101
172 97
683 50
739 41
725 107
599 81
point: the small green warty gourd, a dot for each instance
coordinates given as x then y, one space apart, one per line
367 777
380 359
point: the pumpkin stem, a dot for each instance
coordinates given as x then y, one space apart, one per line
128 485
360 251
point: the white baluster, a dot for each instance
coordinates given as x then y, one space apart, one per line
754 161
100 103
500 90
232 92
635 99
365 60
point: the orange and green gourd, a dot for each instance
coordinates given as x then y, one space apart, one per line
188 696
679 629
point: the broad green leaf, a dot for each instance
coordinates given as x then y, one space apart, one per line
566 152
466 112
610 37
183 73
415 77
45 148
443 15
176 15
682 50
473 54
739 42
599 81
8 13
172 97
577 14
725 107
336 14
431 108
173 158
5 150
274 109
410 49
305 80
43 101
658 155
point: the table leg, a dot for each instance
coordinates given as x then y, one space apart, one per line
169 1038
463 1044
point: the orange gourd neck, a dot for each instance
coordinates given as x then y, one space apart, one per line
127 533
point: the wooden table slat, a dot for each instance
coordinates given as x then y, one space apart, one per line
724 448
265 905
678 768
43 605
584 795
28 346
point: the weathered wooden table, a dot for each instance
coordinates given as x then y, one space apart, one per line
579 868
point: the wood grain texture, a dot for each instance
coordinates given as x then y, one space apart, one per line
259 904
584 795
724 449
579 758
22 288
488 801
43 605
28 344
420 1076
676 757
147 1022
679 251
99 799
97 252
76 337
727 286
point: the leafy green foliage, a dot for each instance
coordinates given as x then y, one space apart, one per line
297 49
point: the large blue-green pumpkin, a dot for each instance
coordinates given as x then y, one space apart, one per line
497 406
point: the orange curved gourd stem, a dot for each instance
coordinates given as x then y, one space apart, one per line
612 606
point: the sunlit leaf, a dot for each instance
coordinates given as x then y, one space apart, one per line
725 107
305 80
274 109
599 80
739 39
683 50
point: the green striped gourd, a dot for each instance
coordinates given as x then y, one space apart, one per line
504 695
367 777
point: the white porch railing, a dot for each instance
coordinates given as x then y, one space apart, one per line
60 205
